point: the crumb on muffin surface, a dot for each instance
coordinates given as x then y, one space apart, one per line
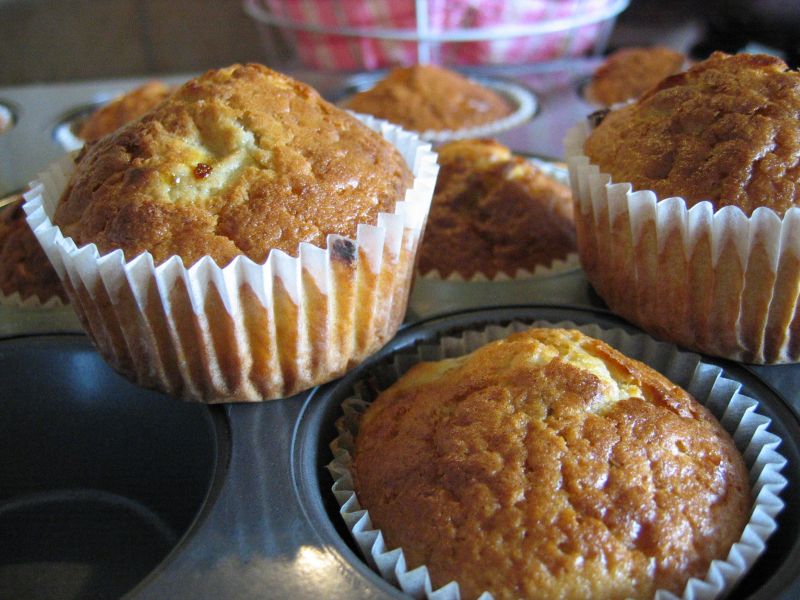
548 465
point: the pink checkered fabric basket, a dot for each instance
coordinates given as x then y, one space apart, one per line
349 35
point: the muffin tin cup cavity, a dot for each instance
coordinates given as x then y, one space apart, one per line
246 332
66 130
737 412
31 302
661 265
8 118
102 481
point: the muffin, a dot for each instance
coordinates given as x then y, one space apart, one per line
629 72
244 240
549 465
494 213
25 270
442 104
123 109
24 267
714 266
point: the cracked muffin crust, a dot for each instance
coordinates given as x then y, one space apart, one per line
549 465
427 97
241 160
725 131
494 212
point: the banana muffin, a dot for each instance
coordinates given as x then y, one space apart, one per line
24 267
241 160
245 240
494 212
704 255
427 97
123 109
629 72
549 465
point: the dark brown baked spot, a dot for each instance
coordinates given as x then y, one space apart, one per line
343 250
597 117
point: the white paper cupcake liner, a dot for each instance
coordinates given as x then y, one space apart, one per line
736 412
558 266
31 302
248 331
718 281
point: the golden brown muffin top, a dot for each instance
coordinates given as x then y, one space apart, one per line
549 465
629 72
427 97
241 160
725 131
24 267
494 212
123 109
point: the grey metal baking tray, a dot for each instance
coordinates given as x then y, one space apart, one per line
242 488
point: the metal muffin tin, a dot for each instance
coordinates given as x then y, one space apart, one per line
234 501
229 501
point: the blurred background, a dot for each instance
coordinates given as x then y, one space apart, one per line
69 40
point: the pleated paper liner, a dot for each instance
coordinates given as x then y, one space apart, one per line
719 282
31 302
737 413
245 332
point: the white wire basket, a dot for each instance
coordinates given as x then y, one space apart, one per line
357 35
